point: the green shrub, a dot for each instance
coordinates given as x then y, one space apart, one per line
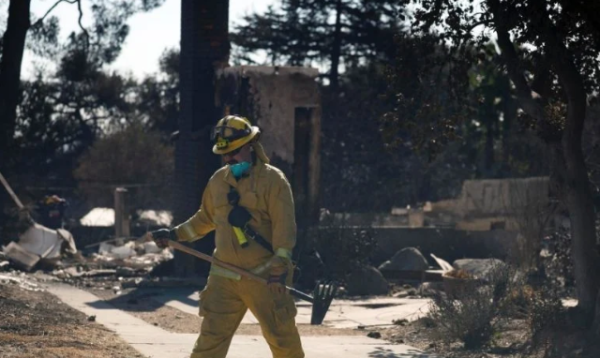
545 310
474 314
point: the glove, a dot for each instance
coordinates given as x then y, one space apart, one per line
239 216
277 276
162 236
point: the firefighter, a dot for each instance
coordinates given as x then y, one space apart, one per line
247 187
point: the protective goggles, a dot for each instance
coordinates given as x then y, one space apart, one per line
229 133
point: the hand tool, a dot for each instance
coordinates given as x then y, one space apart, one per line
322 295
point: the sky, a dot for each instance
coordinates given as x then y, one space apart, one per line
150 33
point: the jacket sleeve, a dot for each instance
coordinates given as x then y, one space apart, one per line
201 223
283 217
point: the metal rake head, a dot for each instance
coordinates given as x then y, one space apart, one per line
323 294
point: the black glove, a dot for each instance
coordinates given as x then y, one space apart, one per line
239 216
162 236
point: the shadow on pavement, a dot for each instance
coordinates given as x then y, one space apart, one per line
148 299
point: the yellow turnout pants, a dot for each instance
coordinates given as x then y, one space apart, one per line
223 304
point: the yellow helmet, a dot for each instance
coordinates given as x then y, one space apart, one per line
231 133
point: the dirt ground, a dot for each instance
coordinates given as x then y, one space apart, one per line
514 341
37 324
141 305
33 324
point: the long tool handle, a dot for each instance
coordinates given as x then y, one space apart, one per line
176 245
11 192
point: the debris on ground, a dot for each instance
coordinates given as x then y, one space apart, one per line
4 263
114 265
40 245
407 259
445 265
106 217
21 257
375 335
22 282
429 289
133 255
480 268
47 243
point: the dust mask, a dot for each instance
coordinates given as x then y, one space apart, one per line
239 169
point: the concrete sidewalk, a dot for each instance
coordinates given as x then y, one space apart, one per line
152 341
342 313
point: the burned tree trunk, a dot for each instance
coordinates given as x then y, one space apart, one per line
576 185
578 195
581 211
13 45
204 48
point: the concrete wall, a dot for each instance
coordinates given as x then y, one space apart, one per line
282 101
275 93
448 244
496 197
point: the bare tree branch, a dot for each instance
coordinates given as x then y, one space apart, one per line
87 35
515 72
569 77
478 23
50 10
79 20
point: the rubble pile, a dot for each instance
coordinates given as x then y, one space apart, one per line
113 264
133 255
121 281
102 279
117 267
40 245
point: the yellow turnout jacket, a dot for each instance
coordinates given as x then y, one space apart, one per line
266 194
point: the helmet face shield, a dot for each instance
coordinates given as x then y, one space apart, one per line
228 133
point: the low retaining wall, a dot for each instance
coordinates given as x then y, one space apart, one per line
448 244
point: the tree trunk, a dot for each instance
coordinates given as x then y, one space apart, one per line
10 82
578 195
577 185
576 182
336 50
581 210
204 48
10 70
